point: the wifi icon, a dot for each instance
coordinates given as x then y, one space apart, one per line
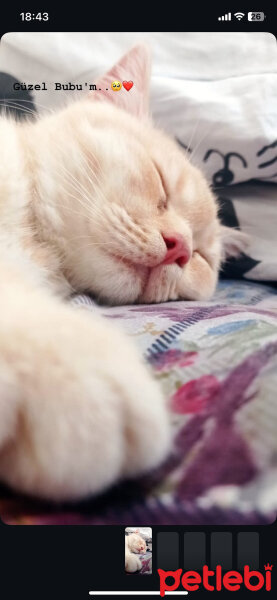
239 15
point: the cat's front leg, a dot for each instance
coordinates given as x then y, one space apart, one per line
78 409
198 279
132 563
195 281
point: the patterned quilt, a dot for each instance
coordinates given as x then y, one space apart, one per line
217 364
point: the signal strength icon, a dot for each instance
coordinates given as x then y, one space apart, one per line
239 15
226 17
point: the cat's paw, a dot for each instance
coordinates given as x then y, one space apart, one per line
132 563
162 284
234 242
87 415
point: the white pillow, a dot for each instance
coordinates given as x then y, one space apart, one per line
215 92
228 125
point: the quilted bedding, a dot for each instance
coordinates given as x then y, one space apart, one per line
217 364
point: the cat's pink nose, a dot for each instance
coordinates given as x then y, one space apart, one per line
177 250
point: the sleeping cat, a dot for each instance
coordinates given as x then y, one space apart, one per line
134 544
92 198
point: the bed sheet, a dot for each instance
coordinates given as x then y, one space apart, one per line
216 362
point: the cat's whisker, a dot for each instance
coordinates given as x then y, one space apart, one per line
99 167
96 185
16 107
88 168
87 205
13 103
69 209
78 186
200 142
191 139
80 189
92 243
90 209
86 202
34 103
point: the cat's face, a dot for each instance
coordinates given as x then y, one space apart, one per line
137 543
146 214
142 194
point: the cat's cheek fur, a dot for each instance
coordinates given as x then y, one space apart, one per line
113 281
82 410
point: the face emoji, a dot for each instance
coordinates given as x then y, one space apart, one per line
116 86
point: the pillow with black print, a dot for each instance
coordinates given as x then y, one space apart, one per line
252 208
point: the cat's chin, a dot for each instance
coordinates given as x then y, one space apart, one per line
127 282
123 288
161 284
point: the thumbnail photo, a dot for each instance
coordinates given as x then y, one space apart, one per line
138 550
138 266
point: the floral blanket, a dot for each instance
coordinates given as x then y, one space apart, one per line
217 364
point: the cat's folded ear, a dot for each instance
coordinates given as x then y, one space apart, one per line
234 242
133 68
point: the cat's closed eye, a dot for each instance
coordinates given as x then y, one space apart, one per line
163 204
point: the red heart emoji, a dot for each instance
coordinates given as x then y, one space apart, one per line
127 85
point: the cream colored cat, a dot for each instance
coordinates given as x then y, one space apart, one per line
92 198
134 544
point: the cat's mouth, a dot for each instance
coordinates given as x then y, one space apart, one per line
133 264
138 268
